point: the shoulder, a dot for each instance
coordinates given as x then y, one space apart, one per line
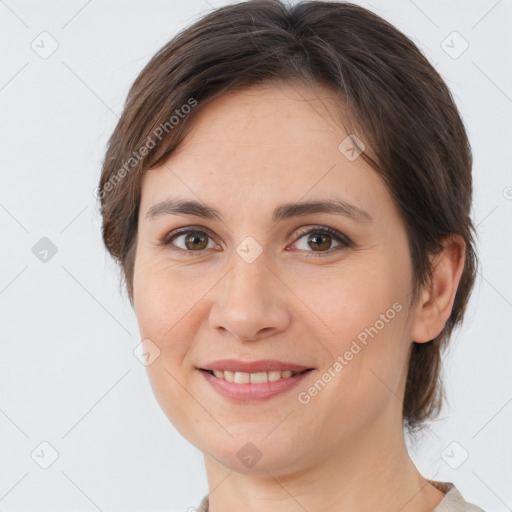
453 500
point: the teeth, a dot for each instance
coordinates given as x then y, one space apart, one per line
242 378
273 376
258 378
255 378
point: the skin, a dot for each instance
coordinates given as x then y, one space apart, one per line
247 153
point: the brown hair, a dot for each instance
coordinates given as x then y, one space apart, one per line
390 96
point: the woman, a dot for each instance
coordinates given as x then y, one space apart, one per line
287 193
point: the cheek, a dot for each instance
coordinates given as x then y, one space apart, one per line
171 306
164 299
161 308
366 314
165 307
346 301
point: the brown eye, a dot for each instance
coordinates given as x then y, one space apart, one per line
319 241
189 241
196 241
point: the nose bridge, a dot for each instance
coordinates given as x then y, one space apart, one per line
249 303
247 279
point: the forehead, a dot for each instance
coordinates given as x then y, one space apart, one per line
265 143
267 120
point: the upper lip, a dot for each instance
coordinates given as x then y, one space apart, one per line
264 365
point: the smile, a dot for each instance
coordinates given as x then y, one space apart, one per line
253 387
253 378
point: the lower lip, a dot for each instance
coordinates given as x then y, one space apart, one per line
253 392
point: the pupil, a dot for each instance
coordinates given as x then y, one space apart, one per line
325 244
193 239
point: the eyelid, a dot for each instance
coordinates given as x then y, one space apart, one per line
180 231
342 239
168 239
323 229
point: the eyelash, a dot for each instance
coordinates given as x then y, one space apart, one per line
338 237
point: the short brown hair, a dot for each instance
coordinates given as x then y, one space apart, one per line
396 102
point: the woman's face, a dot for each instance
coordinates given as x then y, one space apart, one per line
263 280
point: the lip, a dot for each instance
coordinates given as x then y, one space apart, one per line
264 365
252 392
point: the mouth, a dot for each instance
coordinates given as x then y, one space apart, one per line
251 387
255 377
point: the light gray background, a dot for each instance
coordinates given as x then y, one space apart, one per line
68 375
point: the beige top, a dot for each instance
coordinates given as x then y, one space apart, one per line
452 502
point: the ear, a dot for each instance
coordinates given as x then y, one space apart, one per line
435 303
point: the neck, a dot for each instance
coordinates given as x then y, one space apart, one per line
370 471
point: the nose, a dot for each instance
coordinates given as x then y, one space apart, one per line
251 302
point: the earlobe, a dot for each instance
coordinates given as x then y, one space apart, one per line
434 307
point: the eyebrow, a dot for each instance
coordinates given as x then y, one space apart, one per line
285 211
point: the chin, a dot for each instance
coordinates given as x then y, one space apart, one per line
250 455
